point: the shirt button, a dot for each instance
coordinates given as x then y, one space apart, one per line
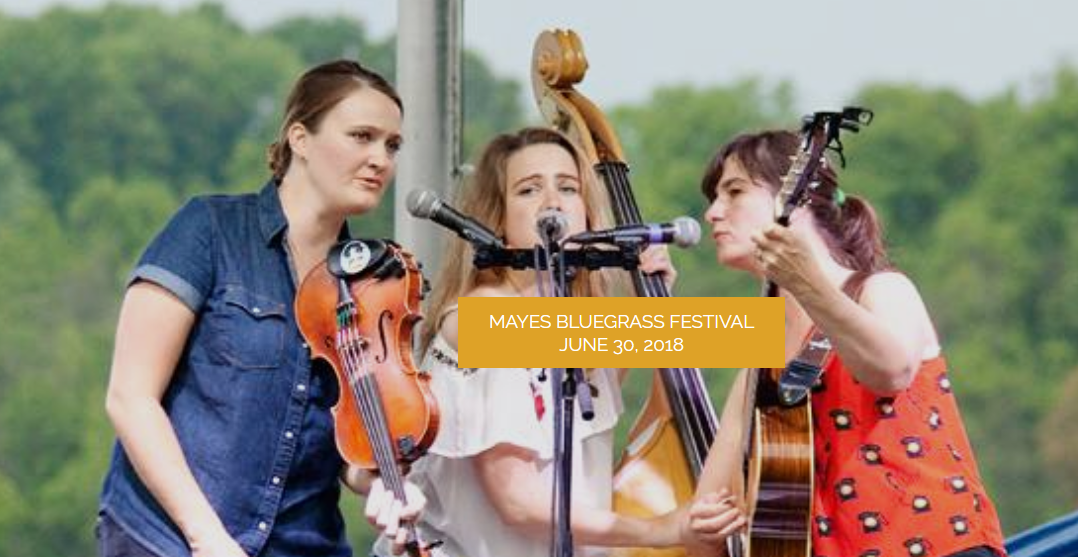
256 310
289 435
306 346
263 526
276 480
301 387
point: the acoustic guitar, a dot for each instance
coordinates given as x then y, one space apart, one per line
777 441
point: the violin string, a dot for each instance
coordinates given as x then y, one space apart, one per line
348 360
351 365
364 391
381 442
377 433
378 429
389 470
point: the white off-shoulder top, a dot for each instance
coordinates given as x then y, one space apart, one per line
485 407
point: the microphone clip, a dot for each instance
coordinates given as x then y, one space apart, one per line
627 257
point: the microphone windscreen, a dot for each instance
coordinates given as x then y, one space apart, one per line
421 203
552 223
686 232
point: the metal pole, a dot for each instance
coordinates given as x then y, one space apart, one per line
429 53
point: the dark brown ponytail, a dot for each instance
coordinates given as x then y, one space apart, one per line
862 236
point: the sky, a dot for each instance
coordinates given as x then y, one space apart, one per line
827 48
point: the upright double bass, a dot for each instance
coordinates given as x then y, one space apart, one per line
669 442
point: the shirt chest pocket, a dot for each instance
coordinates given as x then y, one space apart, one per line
247 330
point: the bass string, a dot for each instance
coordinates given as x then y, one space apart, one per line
686 391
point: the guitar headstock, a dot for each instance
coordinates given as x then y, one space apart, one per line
820 132
794 187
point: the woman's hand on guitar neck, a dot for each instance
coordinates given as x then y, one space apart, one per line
786 257
710 519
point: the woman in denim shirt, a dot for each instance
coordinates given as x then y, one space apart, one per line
226 441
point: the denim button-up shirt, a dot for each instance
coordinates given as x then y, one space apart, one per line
250 412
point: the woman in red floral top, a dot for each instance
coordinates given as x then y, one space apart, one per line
894 472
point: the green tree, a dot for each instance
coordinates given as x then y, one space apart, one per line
999 288
921 151
114 221
200 83
1057 440
35 255
491 104
18 180
66 504
12 514
318 40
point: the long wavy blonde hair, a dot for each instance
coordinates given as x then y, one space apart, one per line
484 199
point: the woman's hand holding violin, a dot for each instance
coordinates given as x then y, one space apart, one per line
387 513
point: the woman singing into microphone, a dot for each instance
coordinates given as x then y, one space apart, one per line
488 476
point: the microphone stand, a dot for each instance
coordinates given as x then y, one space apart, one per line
569 386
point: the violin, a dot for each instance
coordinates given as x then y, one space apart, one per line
672 435
357 311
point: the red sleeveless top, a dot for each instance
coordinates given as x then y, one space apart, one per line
895 476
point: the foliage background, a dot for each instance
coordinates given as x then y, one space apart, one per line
111 117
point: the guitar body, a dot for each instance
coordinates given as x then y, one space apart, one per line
779 479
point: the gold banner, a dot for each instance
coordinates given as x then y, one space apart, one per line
621 332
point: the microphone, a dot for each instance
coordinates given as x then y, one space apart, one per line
425 204
551 224
683 231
